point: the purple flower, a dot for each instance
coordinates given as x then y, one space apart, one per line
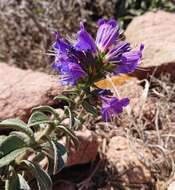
107 42
85 41
61 47
95 58
70 71
65 64
107 34
128 61
112 106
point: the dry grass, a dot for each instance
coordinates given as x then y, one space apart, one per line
153 128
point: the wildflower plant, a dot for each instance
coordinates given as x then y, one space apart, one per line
85 61
81 63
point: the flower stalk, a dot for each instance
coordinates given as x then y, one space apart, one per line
86 61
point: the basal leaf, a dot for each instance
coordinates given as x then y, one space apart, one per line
2 137
12 183
43 179
47 109
11 143
8 158
16 182
17 125
23 136
37 118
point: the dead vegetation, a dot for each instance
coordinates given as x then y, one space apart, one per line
153 130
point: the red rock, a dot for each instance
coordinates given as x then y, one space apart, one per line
21 90
126 159
171 186
88 148
157 32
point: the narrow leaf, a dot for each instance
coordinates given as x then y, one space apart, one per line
43 179
70 133
71 117
47 109
38 118
12 183
11 143
60 155
16 182
25 138
89 108
17 125
2 137
7 159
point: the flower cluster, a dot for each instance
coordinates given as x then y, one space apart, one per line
85 61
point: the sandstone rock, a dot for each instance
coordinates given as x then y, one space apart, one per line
157 32
171 186
88 148
21 90
129 168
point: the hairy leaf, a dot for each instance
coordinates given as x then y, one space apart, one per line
7 159
38 118
23 183
12 183
2 137
47 109
16 182
11 143
70 133
89 108
43 179
17 125
71 117
60 155
25 138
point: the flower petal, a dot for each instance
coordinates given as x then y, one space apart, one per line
129 61
112 106
107 34
84 40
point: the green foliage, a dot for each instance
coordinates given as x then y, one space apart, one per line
127 9
43 179
60 155
17 125
38 118
10 157
38 139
